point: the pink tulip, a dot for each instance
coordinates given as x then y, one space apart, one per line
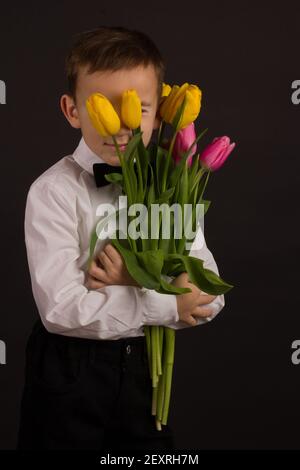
215 154
183 141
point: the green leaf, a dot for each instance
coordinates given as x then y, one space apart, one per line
164 244
160 163
206 204
145 268
202 185
175 196
195 184
129 175
141 275
152 261
184 187
206 279
143 158
192 178
166 288
114 178
165 196
173 268
132 177
132 145
152 149
193 169
150 195
99 227
178 114
178 169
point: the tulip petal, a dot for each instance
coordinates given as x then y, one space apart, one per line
229 149
95 121
184 139
216 153
164 108
103 115
166 89
131 109
192 108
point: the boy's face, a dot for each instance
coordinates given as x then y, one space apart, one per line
112 84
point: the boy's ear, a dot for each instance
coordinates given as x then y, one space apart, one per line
69 109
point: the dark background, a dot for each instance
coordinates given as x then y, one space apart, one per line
234 383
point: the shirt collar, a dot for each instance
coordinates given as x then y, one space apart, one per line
85 157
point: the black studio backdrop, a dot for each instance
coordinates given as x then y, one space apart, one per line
235 385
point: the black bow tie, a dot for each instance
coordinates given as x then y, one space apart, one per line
101 169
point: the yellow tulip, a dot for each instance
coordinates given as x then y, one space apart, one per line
166 89
171 104
103 115
131 109
177 101
166 106
192 107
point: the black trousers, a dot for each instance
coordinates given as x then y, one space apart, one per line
88 394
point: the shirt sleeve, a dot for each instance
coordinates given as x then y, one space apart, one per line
65 305
216 305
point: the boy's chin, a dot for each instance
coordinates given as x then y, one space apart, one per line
112 160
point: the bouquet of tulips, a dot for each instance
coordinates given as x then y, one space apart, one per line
167 173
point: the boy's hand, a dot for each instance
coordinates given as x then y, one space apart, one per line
192 304
108 269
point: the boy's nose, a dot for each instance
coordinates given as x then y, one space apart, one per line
123 129
125 133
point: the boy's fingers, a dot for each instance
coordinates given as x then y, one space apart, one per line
112 253
204 299
97 272
105 259
191 321
203 312
94 284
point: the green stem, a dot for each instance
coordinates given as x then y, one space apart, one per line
158 424
166 168
127 186
197 178
170 349
161 339
140 176
160 132
161 395
153 356
161 387
158 353
138 163
154 401
148 344
207 177
124 170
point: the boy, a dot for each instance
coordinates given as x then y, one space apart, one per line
87 383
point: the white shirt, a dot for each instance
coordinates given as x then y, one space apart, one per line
59 219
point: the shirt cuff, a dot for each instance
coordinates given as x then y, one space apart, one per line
159 309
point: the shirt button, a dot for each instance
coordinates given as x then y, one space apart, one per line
128 349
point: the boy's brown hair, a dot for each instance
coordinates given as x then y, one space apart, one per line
112 48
